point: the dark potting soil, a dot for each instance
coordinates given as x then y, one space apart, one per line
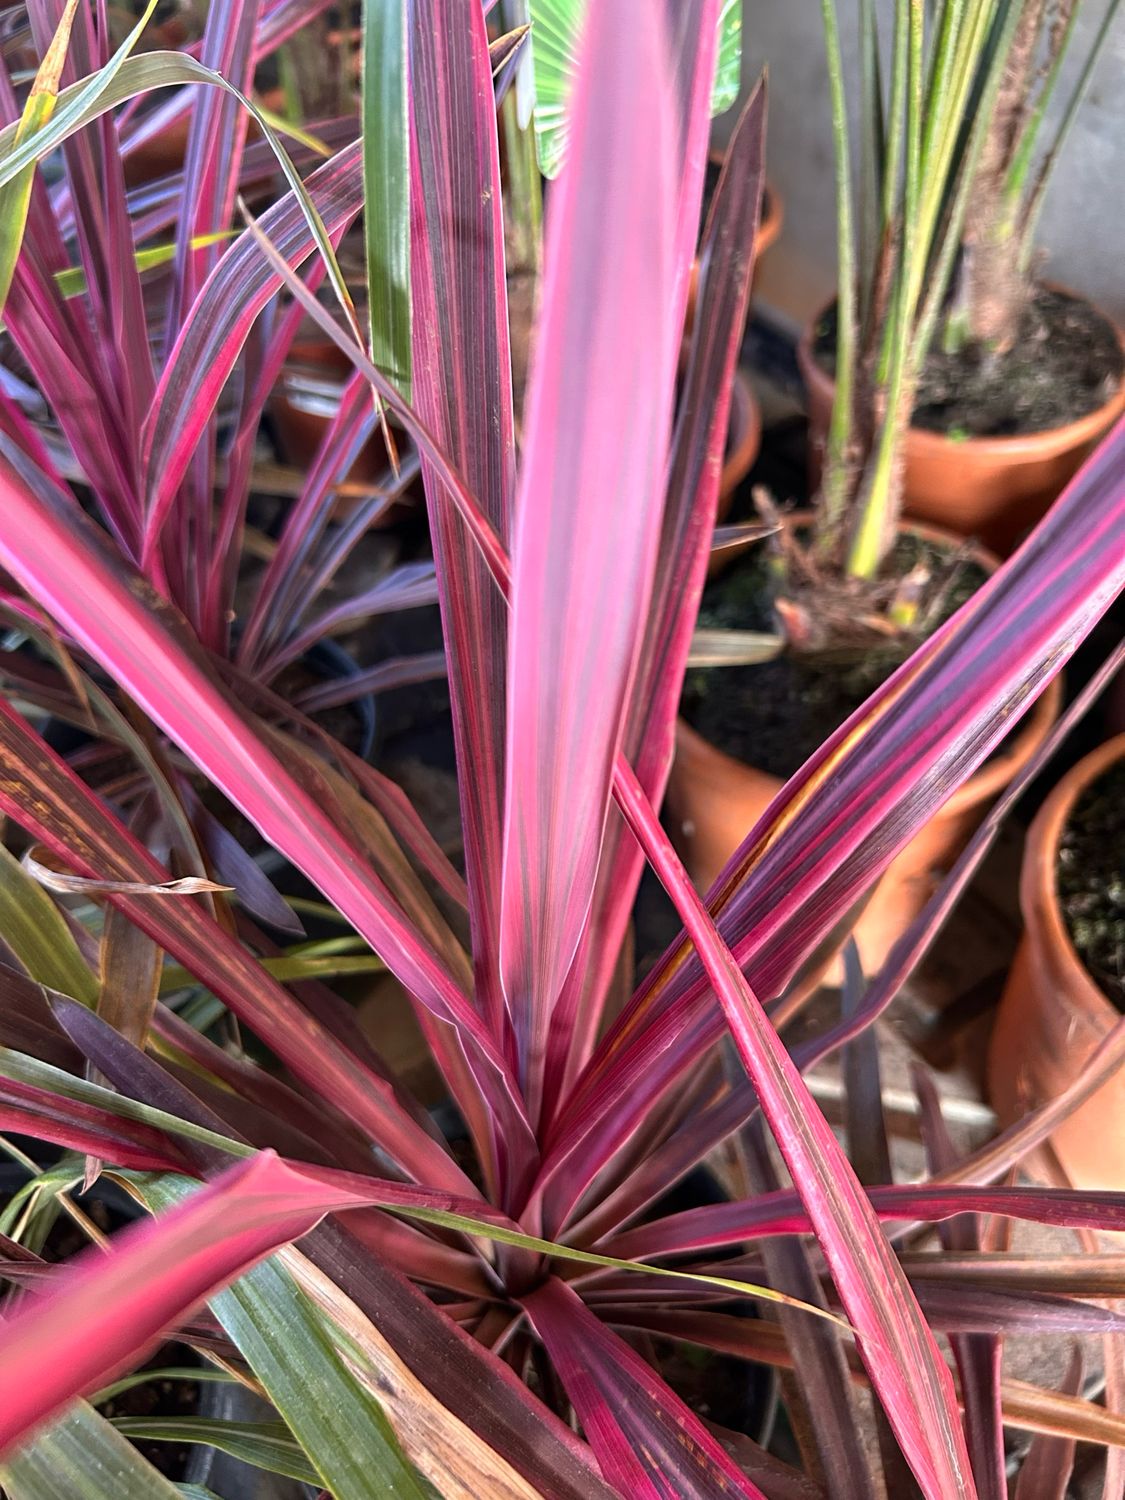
160 1398
1091 880
1066 363
341 722
775 714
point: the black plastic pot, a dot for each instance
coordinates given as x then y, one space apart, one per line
230 1477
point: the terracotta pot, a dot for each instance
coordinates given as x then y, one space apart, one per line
744 438
1052 1014
715 800
992 488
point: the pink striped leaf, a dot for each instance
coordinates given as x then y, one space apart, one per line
62 565
820 1368
103 238
462 387
726 263
216 138
692 31
221 317
44 796
649 1444
45 1112
706 1128
978 1353
305 524
897 1345
979 1313
589 510
714 1225
838 822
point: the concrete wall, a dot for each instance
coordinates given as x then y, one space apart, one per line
1082 231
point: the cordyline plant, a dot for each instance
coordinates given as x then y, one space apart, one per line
480 1316
88 342
936 236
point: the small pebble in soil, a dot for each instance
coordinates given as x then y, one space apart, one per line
1091 880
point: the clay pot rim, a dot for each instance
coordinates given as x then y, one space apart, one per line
987 780
1033 446
746 428
1039 900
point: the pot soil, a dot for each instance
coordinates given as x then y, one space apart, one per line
718 791
990 449
1066 989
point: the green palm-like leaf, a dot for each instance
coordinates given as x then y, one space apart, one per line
555 26
728 65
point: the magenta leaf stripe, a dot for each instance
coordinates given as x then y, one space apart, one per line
589 509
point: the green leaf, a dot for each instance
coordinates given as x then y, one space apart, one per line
71 282
15 199
555 27
36 932
41 1191
386 187
170 1372
47 131
24 1069
285 1341
288 968
79 1456
728 65
554 38
266 1445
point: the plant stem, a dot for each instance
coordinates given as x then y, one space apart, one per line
836 482
524 199
873 184
880 495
